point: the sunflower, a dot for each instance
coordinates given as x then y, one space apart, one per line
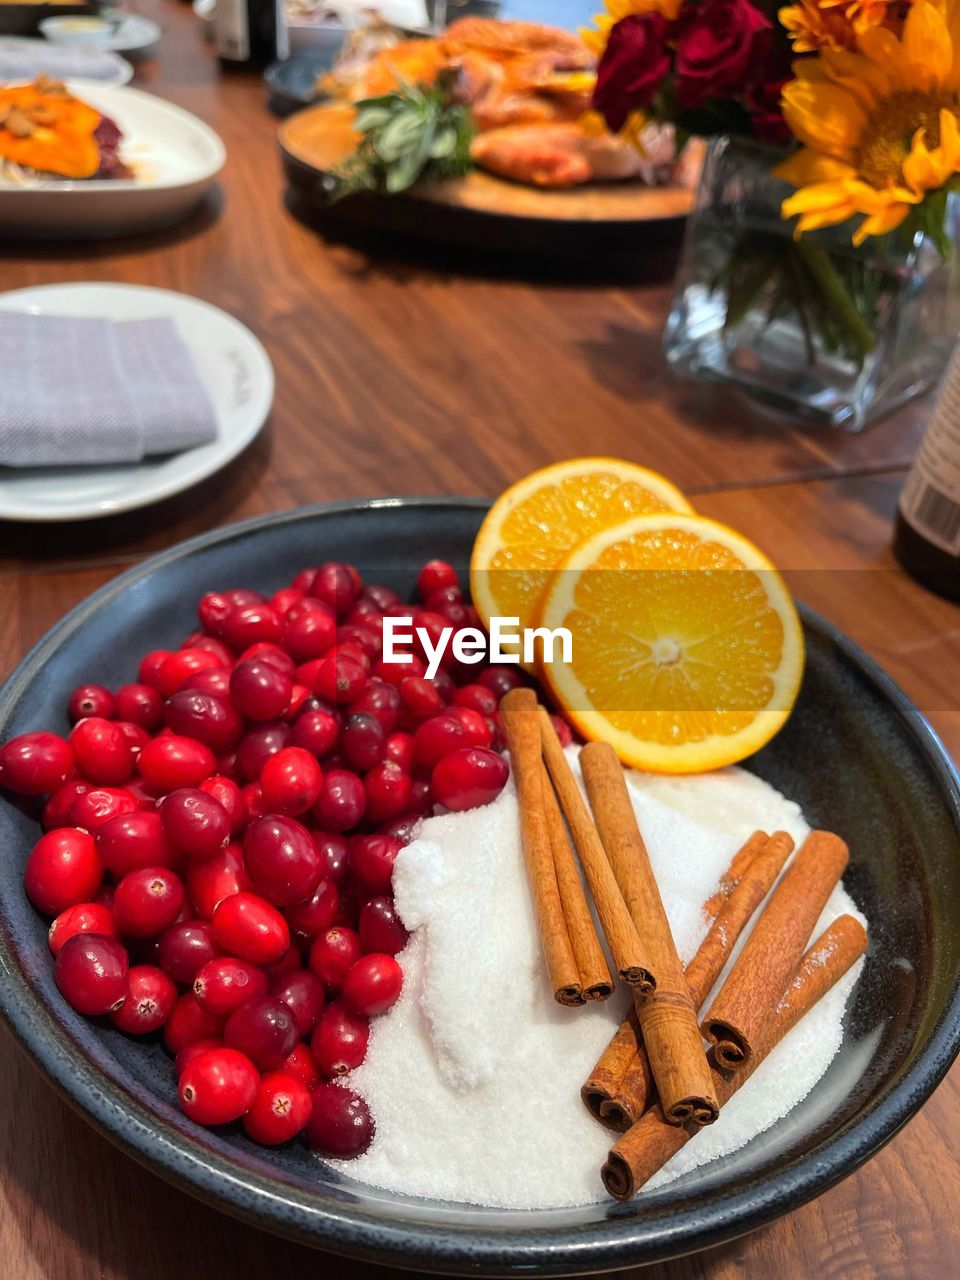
595 37
835 24
880 127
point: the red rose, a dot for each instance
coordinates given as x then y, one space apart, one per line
719 44
763 103
632 68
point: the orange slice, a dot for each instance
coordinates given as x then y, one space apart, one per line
533 526
687 652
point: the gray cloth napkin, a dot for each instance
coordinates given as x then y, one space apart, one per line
78 390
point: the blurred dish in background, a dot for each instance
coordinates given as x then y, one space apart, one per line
24 58
120 32
23 18
315 26
206 12
294 81
230 362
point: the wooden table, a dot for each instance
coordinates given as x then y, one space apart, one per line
413 370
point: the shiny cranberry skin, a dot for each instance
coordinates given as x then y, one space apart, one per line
148 672
224 983
211 880
470 777
189 1023
271 653
253 801
183 664
282 601
383 597
98 805
316 913
259 689
210 645
476 698
137 737
139 704
190 1052
91 700
215 680
309 634
302 993
420 697
264 1029
475 727
333 953
248 926
500 680
147 901
434 575
85 917
394 672
281 859
250 624
280 1110
337 585
101 751
388 792
317 732
400 748
195 823
64 869
340 1123
206 717
372 985
339 1041
289 962
381 699
56 812
380 927
212 611
364 638
302 1064
371 861
91 973
218 1086
341 802
184 948
405 828
149 1001
228 795
290 781
260 743
333 850
340 678
363 740
133 840
173 761
437 738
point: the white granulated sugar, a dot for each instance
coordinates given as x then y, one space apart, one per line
473 1077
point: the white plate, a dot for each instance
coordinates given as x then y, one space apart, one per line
23 56
232 365
176 157
129 33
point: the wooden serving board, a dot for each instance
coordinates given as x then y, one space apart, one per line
480 207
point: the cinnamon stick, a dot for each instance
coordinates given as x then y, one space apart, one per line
626 948
746 1000
627 1103
595 979
518 716
734 873
668 1020
650 1143
607 1076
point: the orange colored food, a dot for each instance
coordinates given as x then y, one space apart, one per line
43 127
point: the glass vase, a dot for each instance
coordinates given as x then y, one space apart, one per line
813 326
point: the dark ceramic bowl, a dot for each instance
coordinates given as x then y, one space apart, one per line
857 756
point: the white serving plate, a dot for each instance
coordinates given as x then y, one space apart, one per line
124 33
231 362
176 155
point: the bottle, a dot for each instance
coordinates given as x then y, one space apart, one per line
250 33
926 537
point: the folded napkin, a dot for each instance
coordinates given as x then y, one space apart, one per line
77 390
22 58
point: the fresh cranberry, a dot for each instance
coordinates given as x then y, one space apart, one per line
183 664
387 788
212 880
248 926
264 1029
289 962
300 695
215 681
190 1052
173 761
420 697
184 948
259 689
84 917
380 927
249 624
210 644
364 638
281 859
340 678
341 802
339 1041
302 993
260 743
195 823
98 805
371 861
372 984
394 672
309 634
317 732
227 794
145 796
253 801
135 734
383 597
212 611
139 704
282 601
290 781
363 740
381 699
148 672
563 731
437 738
147 901
133 840
56 812
316 913
475 727
340 1123
356 654
91 973
333 850
206 717
189 1023
407 827
337 585
149 1001
280 1110
400 748
333 953
302 1064
470 777
91 700
434 575
101 751
218 1086
224 983
63 870
500 680
272 653
304 580
476 698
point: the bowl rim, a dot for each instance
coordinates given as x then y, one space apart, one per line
351 1231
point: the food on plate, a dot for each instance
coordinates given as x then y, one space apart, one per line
45 131
555 155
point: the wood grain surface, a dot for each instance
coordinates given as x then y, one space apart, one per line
411 370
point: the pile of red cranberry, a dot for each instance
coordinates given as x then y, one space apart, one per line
220 838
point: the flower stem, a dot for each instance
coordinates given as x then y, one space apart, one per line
819 265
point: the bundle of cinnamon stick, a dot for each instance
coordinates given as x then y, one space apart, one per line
655 1083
